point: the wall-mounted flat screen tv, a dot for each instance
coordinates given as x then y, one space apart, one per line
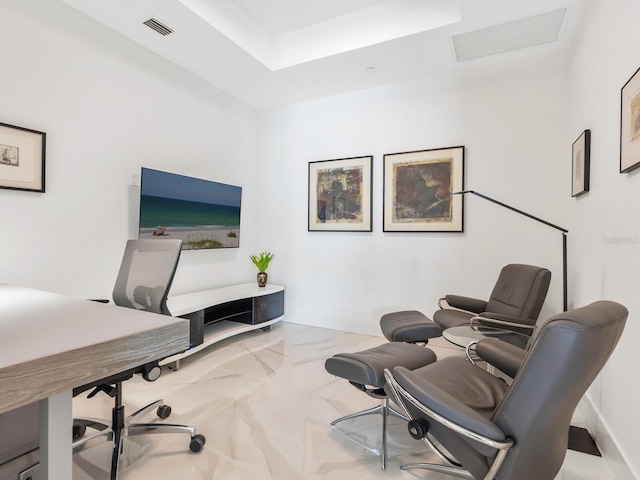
202 213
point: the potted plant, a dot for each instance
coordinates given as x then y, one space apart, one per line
261 261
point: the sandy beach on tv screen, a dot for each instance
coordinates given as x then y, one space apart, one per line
197 238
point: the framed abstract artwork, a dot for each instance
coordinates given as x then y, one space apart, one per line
581 153
417 191
630 124
22 155
340 195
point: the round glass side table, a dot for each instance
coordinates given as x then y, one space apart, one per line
465 334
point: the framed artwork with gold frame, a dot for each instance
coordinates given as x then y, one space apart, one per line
417 191
340 197
630 124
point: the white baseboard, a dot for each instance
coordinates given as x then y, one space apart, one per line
605 441
334 323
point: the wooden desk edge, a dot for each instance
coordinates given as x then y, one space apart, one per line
41 378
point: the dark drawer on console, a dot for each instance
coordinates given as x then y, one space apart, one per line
265 308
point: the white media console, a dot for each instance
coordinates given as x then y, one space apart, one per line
223 312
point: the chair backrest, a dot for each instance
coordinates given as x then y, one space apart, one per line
563 360
146 273
520 291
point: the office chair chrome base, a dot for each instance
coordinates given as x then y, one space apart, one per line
384 410
120 428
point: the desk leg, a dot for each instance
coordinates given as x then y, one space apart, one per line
56 419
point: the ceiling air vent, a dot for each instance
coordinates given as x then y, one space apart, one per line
158 27
523 33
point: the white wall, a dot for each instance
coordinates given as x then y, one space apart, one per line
605 225
109 107
512 121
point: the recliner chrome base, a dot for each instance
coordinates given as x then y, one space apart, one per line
384 410
436 467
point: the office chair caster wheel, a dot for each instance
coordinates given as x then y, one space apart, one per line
151 372
418 429
78 431
164 411
197 442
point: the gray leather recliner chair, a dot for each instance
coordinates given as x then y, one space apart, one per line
515 303
486 428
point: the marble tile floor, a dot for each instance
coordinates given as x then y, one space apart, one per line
265 403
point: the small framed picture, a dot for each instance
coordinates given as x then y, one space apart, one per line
417 191
22 154
581 153
630 124
340 195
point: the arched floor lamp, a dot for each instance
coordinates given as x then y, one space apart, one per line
579 438
549 224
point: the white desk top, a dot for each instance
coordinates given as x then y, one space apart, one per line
193 302
50 343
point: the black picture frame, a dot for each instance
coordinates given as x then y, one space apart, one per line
630 124
340 195
22 158
580 164
418 189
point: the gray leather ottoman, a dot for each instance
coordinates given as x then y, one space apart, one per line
409 326
365 371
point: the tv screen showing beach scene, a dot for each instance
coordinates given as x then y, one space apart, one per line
202 213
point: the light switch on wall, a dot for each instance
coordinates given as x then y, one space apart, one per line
135 180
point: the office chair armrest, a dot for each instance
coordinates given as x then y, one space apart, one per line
444 408
505 357
469 304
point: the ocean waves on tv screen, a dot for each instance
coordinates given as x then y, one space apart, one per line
169 212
